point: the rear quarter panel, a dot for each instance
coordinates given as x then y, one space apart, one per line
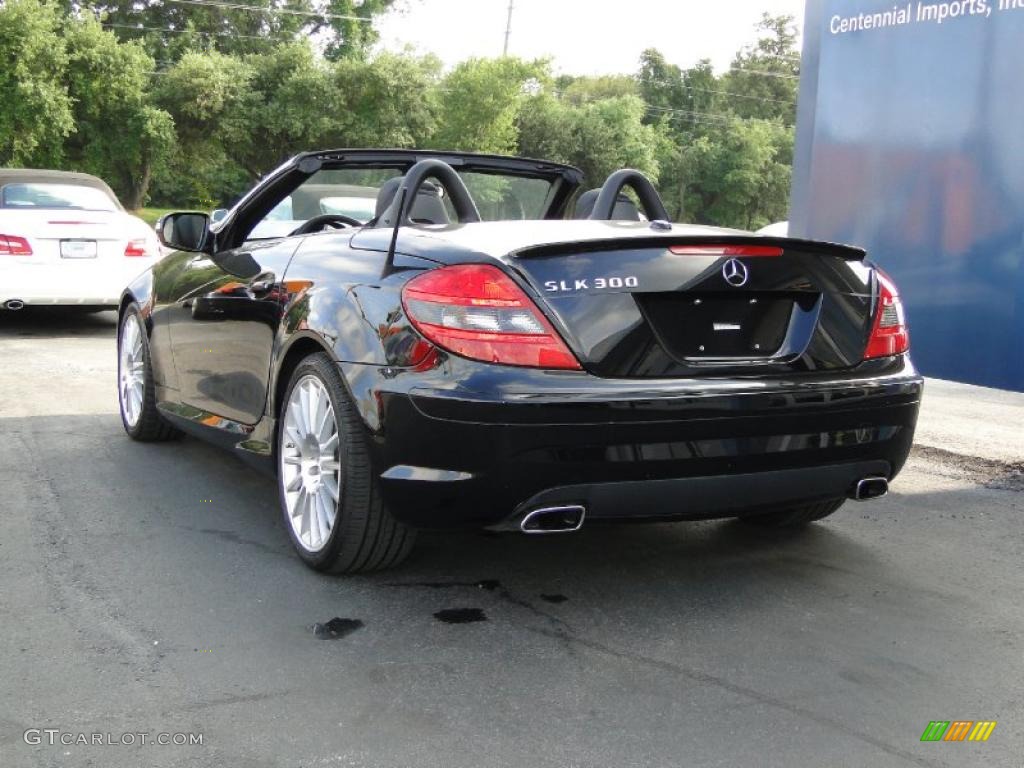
341 299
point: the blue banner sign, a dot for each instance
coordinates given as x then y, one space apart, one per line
910 142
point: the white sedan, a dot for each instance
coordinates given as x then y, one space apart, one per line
65 240
778 229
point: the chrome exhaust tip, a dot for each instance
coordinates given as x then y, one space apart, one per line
870 488
567 519
14 304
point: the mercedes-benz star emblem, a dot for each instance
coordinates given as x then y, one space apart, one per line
735 273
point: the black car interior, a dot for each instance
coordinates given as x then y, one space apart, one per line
406 199
608 203
428 207
625 209
441 198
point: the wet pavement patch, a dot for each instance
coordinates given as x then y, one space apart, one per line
460 615
336 628
554 598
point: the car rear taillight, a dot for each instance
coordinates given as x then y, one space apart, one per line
11 245
477 311
889 335
137 248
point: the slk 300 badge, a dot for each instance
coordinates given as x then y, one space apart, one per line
591 284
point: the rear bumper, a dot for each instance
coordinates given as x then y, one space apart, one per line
84 300
70 282
450 457
706 497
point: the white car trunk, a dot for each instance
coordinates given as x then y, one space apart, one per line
78 256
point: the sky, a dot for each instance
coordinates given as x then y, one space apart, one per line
584 37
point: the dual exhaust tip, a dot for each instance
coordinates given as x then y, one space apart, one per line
564 519
569 518
14 304
870 488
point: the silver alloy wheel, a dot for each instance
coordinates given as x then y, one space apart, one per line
131 369
310 472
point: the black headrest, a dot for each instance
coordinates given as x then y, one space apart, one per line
428 208
625 209
386 194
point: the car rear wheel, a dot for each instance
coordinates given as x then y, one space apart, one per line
135 392
331 505
797 516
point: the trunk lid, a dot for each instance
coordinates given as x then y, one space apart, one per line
704 306
73 236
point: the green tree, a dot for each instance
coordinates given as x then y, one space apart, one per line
610 134
766 75
677 99
598 137
738 175
582 90
661 85
545 128
480 100
389 100
727 141
254 112
287 106
355 35
119 134
171 28
207 95
36 113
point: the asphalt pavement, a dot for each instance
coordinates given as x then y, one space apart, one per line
151 589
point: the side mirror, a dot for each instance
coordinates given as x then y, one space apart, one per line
184 231
218 214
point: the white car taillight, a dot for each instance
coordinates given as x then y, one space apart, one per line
12 245
139 247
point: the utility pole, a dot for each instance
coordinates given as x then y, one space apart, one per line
508 26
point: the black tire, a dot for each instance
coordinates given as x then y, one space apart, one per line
795 517
151 426
364 536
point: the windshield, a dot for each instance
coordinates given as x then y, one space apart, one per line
355 193
56 196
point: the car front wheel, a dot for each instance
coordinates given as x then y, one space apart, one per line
331 505
135 391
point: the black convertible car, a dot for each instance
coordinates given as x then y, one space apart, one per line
492 349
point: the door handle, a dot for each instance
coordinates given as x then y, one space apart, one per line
264 284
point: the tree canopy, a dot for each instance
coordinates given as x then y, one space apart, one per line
189 102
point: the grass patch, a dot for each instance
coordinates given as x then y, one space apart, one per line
150 215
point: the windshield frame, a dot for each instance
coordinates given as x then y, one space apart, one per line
234 228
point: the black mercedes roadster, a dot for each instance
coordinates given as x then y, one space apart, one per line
414 340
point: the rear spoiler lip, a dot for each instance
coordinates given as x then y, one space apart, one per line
822 247
815 247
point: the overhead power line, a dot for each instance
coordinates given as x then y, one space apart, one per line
731 94
738 69
264 9
171 30
719 117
